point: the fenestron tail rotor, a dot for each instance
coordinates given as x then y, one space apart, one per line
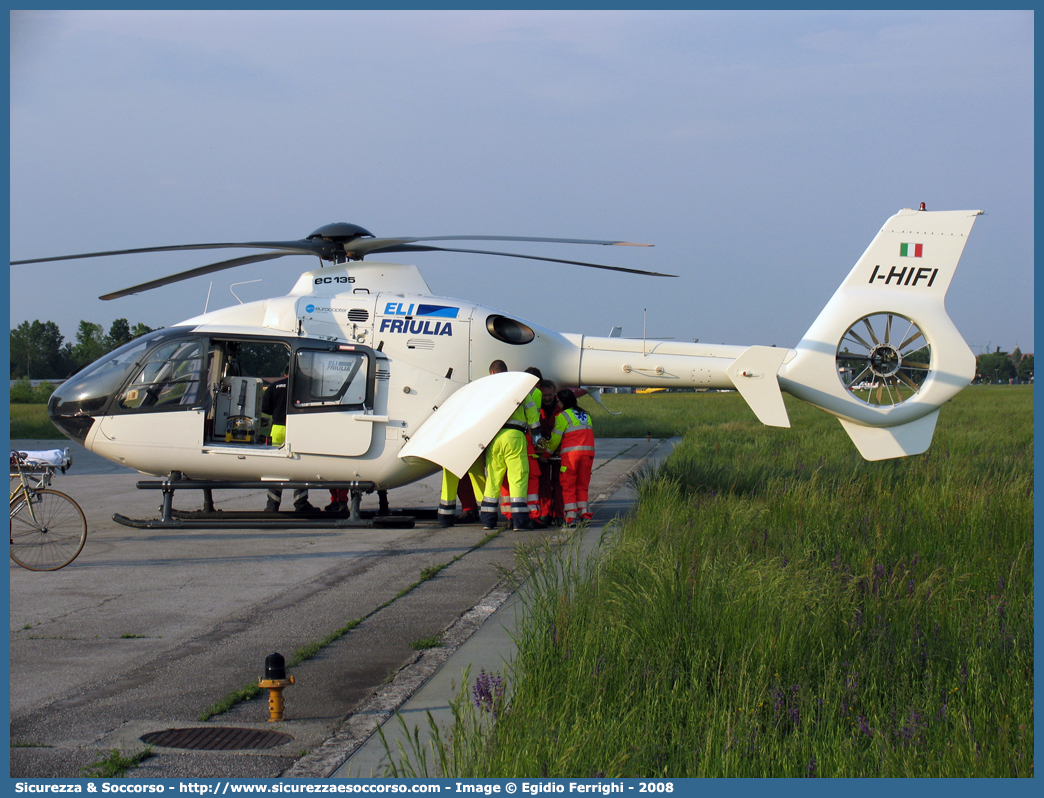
884 359
337 243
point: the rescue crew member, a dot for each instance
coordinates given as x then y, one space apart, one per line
533 483
506 454
466 494
574 432
474 486
274 404
339 499
549 490
551 509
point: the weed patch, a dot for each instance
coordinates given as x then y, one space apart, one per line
116 763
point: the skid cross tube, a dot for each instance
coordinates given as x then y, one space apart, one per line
176 481
170 518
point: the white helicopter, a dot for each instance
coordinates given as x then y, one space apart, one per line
388 383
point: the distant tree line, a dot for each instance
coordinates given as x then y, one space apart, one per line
1001 366
40 352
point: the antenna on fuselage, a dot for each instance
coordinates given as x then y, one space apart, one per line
240 301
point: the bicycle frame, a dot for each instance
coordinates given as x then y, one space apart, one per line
24 490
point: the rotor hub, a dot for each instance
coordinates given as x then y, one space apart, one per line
885 360
341 232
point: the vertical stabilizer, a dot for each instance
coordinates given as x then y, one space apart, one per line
884 354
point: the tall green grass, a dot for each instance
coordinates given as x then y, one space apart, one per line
661 415
776 606
31 422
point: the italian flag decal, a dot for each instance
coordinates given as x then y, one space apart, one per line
911 250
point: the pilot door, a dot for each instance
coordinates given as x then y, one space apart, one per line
155 420
330 407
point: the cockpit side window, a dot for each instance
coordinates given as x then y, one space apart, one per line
169 378
330 379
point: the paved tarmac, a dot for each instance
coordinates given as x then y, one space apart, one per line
146 630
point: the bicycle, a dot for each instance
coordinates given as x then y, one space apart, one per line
48 528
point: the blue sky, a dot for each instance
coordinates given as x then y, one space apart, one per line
759 151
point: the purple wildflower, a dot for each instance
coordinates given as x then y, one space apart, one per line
795 715
879 574
780 703
909 731
488 692
864 727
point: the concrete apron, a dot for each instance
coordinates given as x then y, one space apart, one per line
146 629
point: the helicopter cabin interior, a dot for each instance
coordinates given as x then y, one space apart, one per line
227 378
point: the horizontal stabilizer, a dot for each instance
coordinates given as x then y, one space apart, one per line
754 375
882 443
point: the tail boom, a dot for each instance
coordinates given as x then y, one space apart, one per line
637 363
885 328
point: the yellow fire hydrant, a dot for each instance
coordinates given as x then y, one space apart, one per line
275 680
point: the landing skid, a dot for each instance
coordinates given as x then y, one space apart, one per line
260 520
209 518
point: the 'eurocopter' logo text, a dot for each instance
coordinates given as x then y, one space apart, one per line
414 326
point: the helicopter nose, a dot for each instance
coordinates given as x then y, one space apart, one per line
73 426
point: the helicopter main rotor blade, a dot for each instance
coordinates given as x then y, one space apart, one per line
537 239
328 248
423 248
338 242
302 247
364 246
209 269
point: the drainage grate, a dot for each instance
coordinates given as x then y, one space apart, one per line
215 738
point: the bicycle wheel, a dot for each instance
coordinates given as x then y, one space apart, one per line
49 534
